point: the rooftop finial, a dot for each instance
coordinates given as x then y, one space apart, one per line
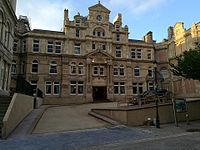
99 1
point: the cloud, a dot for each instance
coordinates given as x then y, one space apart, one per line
44 14
136 7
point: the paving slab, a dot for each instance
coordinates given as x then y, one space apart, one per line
27 125
68 118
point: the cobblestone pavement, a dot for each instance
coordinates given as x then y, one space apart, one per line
73 140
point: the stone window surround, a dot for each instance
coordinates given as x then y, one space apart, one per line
119 88
51 85
76 88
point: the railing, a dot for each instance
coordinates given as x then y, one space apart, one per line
26 88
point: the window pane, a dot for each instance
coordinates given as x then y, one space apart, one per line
73 89
101 69
116 90
80 89
95 72
115 71
56 88
121 71
50 47
36 45
77 49
34 68
48 88
139 54
137 71
122 89
53 69
58 47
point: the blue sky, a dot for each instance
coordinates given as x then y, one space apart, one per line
141 16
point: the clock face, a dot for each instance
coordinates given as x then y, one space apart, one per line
99 17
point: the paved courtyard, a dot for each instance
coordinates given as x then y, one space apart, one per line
68 118
168 137
71 128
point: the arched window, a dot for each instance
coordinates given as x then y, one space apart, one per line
73 68
137 71
115 70
35 66
53 67
99 32
80 68
1 25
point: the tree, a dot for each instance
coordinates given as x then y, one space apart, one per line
188 64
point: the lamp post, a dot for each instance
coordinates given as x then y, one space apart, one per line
156 82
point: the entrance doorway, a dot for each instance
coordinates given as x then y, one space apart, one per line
99 93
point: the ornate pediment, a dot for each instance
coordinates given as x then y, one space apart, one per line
179 29
99 7
99 57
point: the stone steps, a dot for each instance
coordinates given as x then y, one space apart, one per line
4 104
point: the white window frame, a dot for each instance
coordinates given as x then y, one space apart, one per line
138 86
56 83
137 69
75 87
50 46
115 71
52 64
77 48
58 47
48 83
14 67
95 70
118 51
119 86
150 85
34 62
36 45
73 68
80 84
34 83
80 69
133 53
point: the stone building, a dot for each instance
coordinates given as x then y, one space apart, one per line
7 24
93 59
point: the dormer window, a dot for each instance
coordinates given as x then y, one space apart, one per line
99 32
117 27
78 22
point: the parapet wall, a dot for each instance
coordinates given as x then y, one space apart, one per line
138 116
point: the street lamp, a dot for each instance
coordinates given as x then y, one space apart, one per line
156 83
